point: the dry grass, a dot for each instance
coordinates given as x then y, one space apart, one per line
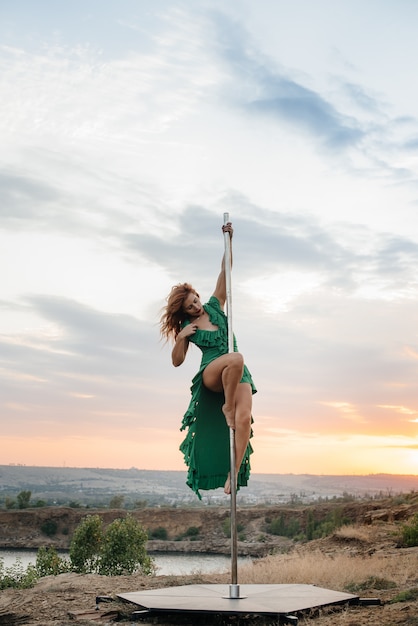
338 572
353 532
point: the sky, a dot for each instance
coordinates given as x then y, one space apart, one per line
128 129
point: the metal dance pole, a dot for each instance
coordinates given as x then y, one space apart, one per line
233 587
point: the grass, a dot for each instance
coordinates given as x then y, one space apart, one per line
352 532
340 572
406 596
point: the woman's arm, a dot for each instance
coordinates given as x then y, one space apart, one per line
220 289
178 354
179 351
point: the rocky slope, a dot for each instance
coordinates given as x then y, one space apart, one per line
33 528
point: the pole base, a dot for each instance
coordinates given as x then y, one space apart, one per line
234 593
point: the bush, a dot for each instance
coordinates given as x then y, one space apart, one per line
279 526
16 576
116 502
410 595
191 533
159 533
86 545
49 527
409 533
118 550
49 563
318 529
9 503
226 527
311 529
39 504
372 582
23 499
124 548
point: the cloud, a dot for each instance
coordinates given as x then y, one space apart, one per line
306 110
95 338
266 241
411 144
397 254
270 244
362 98
260 88
25 198
82 352
82 375
345 120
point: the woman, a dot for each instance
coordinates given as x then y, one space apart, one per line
221 390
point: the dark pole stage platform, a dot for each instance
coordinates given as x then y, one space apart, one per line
269 600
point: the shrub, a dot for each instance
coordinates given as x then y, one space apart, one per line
226 527
49 527
48 562
23 499
40 504
159 533
124 548
409 533
86 545
372 582
332 522
9 503
311 528
16 576
191 533
279 526
410 595
119 550
116 502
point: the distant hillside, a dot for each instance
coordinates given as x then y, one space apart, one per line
96 486
36 527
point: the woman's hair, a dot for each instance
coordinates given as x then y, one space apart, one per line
173 315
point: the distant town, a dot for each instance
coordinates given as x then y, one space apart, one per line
137 488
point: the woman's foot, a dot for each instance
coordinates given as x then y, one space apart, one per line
229 416
227 486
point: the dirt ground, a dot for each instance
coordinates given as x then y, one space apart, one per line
70 599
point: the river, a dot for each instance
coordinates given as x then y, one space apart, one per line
178 564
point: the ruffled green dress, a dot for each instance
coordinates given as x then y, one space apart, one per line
206 448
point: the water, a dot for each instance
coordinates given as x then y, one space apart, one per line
177 564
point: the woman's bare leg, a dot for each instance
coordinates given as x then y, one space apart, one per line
243 408
224 374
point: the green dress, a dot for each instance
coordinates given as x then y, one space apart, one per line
206 448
